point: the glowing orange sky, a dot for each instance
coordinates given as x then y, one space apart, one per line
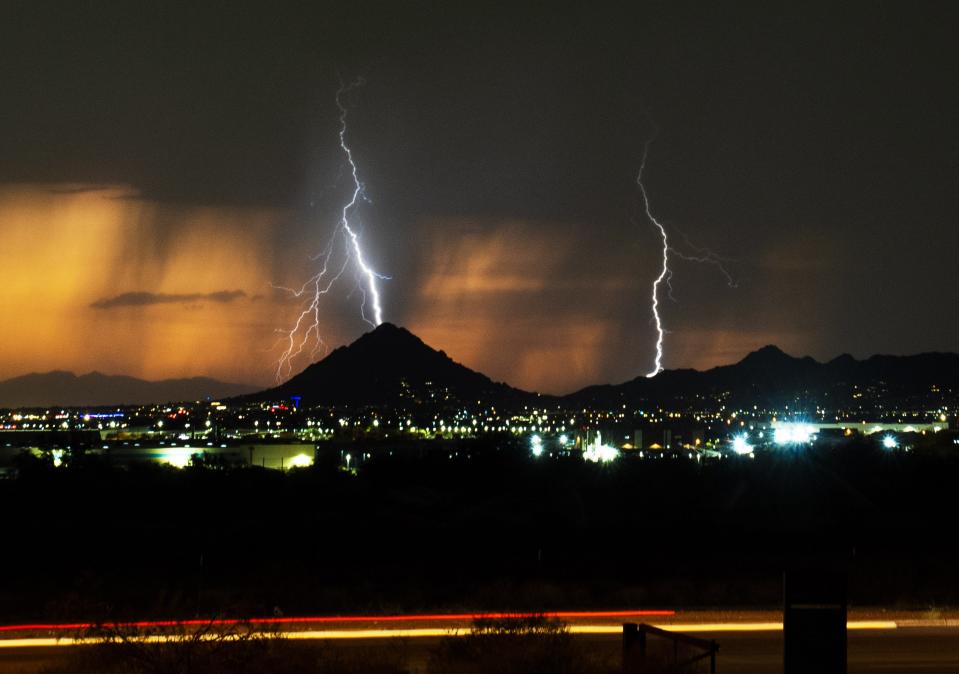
543 307
63 251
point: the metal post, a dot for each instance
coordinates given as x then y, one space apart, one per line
634 648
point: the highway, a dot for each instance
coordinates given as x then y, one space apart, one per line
750 642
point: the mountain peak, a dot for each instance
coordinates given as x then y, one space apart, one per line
767 354
387 328
388 332
388 342
388 365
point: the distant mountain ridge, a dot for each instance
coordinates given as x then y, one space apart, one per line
391 366
65 389
771 375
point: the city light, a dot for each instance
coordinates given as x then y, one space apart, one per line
600 453
162 434
741 444
536 445
178 457
301 461
793 434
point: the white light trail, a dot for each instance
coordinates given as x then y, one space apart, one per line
699 254
306 328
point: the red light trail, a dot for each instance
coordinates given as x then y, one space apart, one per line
325 620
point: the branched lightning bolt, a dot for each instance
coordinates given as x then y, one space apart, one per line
664 272
705 256
367 271
698 254
307 325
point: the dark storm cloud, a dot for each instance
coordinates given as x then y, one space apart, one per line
79 189
813 142
143 299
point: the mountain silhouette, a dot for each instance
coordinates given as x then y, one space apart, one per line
770 376
391 366
95 389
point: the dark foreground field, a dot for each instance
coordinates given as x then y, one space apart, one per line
494 531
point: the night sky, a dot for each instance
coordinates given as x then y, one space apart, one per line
160 167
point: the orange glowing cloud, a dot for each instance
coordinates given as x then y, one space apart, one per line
67 249
527 303
98 278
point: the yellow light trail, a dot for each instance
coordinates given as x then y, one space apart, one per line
438 632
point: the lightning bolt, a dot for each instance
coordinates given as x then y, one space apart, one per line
367 271
664 273
699 254
306 328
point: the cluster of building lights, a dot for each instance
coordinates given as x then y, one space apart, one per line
793 434
700 427
597 452
798 434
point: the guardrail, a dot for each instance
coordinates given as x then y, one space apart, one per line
637 658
